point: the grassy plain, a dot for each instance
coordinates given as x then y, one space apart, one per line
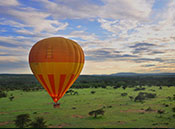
120 111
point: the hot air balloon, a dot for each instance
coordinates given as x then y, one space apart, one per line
56 63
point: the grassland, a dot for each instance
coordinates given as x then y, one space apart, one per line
120 111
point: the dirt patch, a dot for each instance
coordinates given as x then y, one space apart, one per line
160 127
133 110
3 112
5 123
121 122
77 116
60 126
46 112
137 110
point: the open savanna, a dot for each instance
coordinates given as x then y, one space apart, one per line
120 111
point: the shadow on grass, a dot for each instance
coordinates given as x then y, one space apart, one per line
93 118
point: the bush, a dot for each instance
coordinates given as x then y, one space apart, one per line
38 123
92 92
161 111
144 95
75 93
22 120
95 113
137 89
115 87
124 94
124 87
3 94
11 98
149 109
174 97
70 91
131 98
173 109
150 95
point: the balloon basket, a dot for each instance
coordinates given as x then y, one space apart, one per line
56 105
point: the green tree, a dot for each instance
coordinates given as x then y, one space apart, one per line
38 123
3 94
22 120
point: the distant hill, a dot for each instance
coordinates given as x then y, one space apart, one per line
114 74
142 74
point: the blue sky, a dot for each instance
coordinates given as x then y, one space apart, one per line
116 35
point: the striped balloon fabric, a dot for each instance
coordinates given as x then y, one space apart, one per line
56 62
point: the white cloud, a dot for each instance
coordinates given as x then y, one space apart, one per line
37 20
160 31
83 35
115 9
9 3
118 27
16 40
124 9
125 23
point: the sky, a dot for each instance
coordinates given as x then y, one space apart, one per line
116 35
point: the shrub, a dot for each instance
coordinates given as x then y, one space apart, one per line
161 111
131 98
103 86
174 97
137 89
22 120
115 87
11 98
149 109
166 105
73 107
124 87
92 92
124 94
150 95
75 93
3 94
38 123
70 91
95 113
173 109
144 95
109 106
169 98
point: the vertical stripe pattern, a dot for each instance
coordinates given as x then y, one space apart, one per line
62 88
44 83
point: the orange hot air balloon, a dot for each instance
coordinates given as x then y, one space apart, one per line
56 62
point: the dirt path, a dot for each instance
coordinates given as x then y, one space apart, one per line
5 123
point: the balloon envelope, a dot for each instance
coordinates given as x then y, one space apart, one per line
56 62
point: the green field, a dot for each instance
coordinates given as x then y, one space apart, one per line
120 111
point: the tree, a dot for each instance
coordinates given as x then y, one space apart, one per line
11 98
2 94
161 112
173 109
131 98
124 94
38 123
75 93
22 120
144 95
92 92
97 112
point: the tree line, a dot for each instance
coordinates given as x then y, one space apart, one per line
29 82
